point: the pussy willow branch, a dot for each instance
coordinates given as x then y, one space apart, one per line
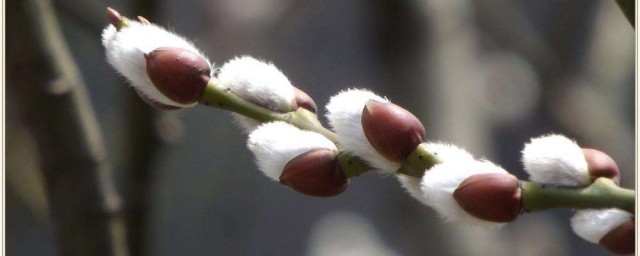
55 106
601 194
216 96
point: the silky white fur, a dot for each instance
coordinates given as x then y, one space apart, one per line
345 114
411 185
258 82
555 159
594 224
275 144
125 50
445 153
439 183
448 152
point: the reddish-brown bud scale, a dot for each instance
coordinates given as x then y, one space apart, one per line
393 131
143 20
621 240
179 74
315 173
302 99
114 17
601 165
492 197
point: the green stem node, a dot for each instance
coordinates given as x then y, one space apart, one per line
420 160
123 23
216 96
351 165
603 193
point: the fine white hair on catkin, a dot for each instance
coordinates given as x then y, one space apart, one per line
274 144
555 159
411 185
445 153
593 224
448 152
258 82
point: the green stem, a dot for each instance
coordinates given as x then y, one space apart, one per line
628 7
351 165
603 193
307 120
418 161
218 97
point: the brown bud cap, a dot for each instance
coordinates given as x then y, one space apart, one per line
315 173
143 20
601 165
620 240
393 131
490 196
114 17
301 99
179 74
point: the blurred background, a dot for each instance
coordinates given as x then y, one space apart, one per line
486 75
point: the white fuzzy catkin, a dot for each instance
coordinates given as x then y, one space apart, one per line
345 116
439 183
411 185
258 82
125 50
555 159
594 224
448 152
275 144
445 153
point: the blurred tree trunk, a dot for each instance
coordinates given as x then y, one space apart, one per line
145 142
43 79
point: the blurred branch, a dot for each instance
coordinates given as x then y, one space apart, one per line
44 79
628 7
22 172
89 13
143 144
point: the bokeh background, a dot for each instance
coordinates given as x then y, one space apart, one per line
486 75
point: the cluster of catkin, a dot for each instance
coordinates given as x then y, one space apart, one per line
168 72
